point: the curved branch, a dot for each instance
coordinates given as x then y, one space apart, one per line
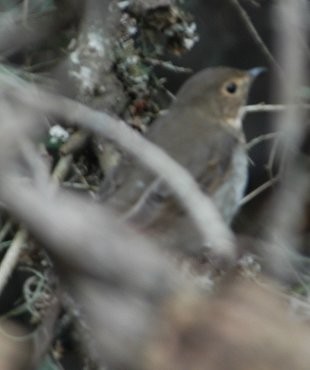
215 233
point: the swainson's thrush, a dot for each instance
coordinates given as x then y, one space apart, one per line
203 132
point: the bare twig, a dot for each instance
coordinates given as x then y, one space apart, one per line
62 168
10 120
20 239
256 108
5 229
10 259
258 190
79 186
75 142
272 157
259 41
261 138
168 65
134 211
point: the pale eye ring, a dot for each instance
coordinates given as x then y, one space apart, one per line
231 87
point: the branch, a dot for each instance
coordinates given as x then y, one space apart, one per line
286 209
253 32
90 248
256 108
261 138
18 118
266 185
218 237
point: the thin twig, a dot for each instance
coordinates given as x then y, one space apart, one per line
75 142
259 190
5 229
11 257
259 41
256 108
160 83
133 212
167 65
260 139
272 157
62 168
79 186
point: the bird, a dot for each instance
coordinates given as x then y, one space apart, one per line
203 132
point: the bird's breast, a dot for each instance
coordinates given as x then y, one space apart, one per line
228 197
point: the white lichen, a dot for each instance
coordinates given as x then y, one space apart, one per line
133 59
123 4
57 132
74 57
84 76
96 43
132 30
191 28
188 43
191 37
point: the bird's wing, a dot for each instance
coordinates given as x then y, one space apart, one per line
205 150
130 181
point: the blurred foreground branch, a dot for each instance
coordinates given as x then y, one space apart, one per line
286 209
218 238
141 312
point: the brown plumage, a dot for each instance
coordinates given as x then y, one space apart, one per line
203 132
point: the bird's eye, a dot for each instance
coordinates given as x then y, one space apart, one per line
231 87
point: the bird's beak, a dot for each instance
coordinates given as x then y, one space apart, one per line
254 72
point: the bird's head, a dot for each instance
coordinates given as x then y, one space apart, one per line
218 93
